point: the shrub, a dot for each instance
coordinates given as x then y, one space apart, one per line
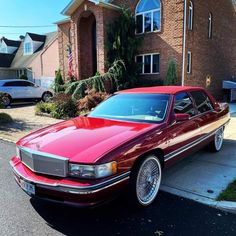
65 106
98 83
91 100
5 118
23 76
58 85
1 100
171 77
45 107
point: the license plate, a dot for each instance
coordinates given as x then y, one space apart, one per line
29 188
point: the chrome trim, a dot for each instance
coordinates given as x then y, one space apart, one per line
190 145
34 156
75 189
42 153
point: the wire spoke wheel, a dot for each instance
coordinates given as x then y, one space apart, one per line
219 137
148 180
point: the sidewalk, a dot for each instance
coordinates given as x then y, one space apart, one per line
202 176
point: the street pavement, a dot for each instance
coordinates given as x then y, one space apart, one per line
169 215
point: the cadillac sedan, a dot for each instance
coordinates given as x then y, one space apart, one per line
124 144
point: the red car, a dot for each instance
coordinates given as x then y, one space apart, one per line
125 143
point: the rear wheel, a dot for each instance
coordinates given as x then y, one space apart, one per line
217 143
46 96
145 181
6 100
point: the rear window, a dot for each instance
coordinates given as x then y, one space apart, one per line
202 101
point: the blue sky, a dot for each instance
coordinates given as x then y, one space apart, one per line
29 12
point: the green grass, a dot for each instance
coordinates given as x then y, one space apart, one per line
229 194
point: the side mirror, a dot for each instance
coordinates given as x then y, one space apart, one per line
182 117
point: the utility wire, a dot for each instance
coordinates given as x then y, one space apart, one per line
26 26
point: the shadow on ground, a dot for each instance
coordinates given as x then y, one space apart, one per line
17 125
168 215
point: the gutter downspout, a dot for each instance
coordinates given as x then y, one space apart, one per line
184 42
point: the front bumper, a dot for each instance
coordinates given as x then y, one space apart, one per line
70 192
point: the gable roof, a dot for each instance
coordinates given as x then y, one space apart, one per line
23 61
11 43
74 4
6 59
37 37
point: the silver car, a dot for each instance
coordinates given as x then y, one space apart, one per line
22 90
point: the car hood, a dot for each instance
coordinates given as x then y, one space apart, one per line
84 139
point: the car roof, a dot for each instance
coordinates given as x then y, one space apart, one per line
161 89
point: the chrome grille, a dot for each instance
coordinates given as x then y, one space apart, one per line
44 163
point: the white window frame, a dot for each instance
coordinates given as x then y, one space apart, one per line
189 62
210 26
143 16
151 63
28 52
190 16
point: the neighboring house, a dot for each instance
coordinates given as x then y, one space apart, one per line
205 55
37 57
9 46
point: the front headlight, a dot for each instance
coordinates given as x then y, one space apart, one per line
93 171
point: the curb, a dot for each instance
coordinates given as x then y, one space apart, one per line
221 205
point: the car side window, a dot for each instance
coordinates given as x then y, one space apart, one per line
183 104
12 84
202 101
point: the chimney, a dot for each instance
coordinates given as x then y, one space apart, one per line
22 37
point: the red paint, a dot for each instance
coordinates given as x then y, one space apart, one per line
95 141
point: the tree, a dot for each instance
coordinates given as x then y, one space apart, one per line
58 83
122 44
171 77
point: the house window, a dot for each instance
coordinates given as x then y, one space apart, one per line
190 16
28 48
149 63
210 25
148 16
189 63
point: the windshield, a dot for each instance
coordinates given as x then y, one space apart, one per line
150 108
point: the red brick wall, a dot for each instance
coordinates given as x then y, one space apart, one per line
167 42
213 58
63 41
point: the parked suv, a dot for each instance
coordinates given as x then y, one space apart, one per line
23 90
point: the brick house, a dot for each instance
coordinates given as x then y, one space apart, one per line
199 35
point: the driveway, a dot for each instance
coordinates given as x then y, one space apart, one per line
202 176
25 122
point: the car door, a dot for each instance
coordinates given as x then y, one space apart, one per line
14 88
206 114
32 91
182 135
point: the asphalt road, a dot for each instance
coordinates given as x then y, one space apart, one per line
169 215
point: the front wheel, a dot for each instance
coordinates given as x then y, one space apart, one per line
216 144
146 180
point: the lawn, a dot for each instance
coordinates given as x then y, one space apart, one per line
229 194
